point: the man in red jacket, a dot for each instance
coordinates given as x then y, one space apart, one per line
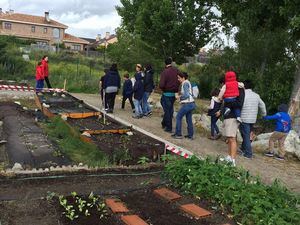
169 84
46 70
39 76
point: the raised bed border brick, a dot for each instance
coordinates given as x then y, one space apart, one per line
167 194
116 205
133 220
195 210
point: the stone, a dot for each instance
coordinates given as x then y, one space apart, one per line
1 123
17 167
291 144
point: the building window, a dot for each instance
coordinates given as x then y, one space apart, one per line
7 26
45 30
77 47
32 29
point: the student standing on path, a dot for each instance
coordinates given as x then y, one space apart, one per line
215 105
283 127
148 88
169 85
138 92
187 106
252 102
46 70
127 91
39 77
112 82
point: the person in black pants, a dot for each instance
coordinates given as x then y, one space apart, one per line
112 82
127 91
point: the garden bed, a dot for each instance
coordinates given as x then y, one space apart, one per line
26 143
133 188
121 148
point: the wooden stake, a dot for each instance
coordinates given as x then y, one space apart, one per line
65 84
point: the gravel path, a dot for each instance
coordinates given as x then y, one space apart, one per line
267 168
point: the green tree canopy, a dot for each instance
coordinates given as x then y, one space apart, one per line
175 28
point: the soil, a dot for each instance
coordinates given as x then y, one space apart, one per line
121 148
23 201
63 103
26 142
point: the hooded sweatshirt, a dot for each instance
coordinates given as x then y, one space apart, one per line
232 87
138 88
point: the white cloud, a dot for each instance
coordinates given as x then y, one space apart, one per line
85 18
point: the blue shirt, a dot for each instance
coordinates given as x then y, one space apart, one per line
283 121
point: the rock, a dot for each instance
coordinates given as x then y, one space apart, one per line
64 117
17 167
1 123
86 134
46 106
16 102
129 133
291 144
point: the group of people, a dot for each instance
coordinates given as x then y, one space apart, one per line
137 90
240 109
42 74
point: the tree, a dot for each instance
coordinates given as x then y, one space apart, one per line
176 28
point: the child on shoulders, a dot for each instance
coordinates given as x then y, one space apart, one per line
230 93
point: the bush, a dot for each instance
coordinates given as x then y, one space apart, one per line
236 192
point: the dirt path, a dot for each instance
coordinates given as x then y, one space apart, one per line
268 169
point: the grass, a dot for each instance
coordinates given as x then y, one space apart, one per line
72 146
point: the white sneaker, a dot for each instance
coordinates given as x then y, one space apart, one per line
228 158
233 162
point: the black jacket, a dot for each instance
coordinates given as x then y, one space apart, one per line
112 78
148 81
138 88
237 104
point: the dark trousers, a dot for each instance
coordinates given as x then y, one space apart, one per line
245 129
168 107
130 100
110 100
214 130
48 82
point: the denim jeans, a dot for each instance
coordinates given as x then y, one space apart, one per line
185 110
138 107
168 107
145 105
39 85
245 129
214 130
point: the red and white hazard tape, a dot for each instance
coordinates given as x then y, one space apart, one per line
27 88
178 151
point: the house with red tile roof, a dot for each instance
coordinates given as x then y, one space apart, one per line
42 29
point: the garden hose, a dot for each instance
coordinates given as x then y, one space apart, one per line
87 175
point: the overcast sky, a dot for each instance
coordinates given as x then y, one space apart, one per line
85 18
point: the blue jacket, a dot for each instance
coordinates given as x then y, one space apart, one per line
283 121
112 79
138 88
127 88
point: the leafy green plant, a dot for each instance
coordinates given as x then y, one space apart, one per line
143 160
236 192
78 206
72 146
